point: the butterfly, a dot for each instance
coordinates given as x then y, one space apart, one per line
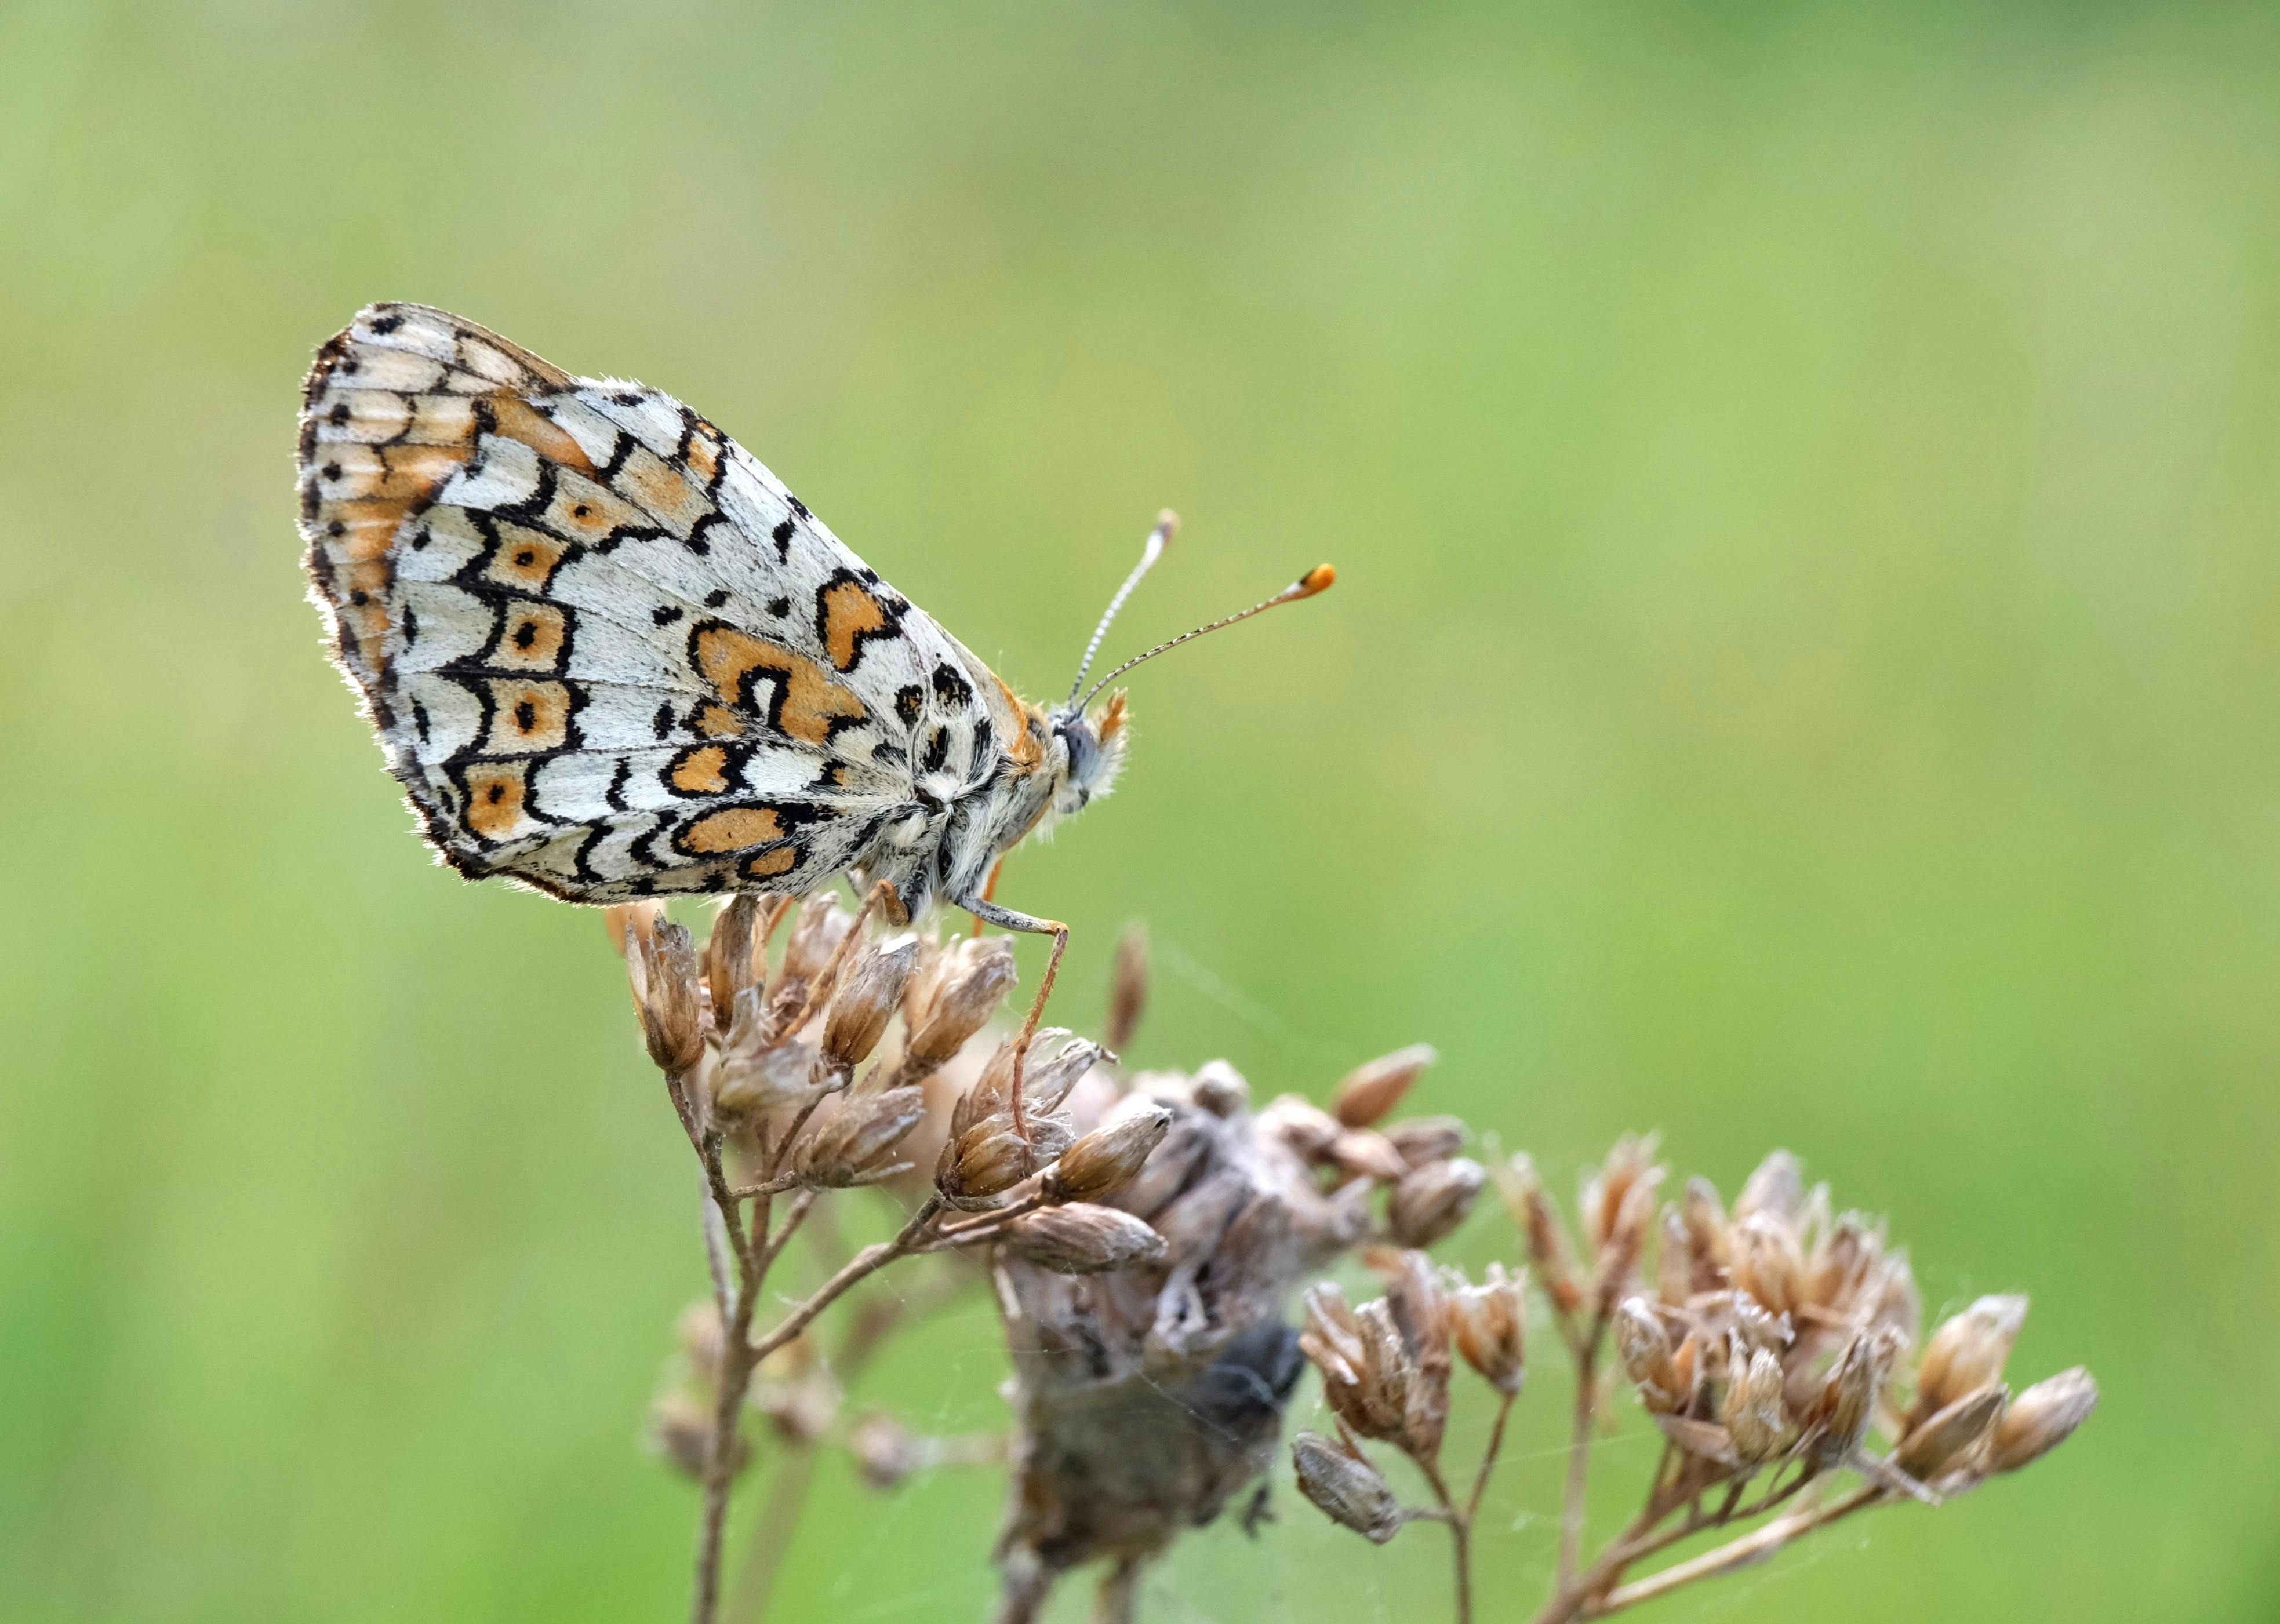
608 655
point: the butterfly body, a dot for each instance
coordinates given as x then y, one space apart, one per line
609 656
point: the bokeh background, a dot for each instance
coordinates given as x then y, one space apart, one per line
1804 479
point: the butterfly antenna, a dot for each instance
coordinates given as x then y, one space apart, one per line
1167 526
1315 580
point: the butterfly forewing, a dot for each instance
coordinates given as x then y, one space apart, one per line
607 652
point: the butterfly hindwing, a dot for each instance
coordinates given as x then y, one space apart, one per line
606 651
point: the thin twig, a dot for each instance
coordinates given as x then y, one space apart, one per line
863 1264
1488 1458
772 1535
1579 1450
1460 1534
1751 1547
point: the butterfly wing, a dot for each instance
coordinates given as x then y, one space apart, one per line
607 653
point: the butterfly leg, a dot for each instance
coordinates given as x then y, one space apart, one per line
1007 919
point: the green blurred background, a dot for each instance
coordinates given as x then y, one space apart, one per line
1803 673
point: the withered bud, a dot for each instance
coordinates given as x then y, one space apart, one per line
1845 1265
851 1137
1365 1373
1554 1259
1753 1411
1109 1157
2041 1418
662 968
803 1409
1848 1399
627 920
1427 1139
1930 1447
1218 1088
885 1451
1898 1308
698 1329
1674 1262
815 937
983 1162
1431 1201
1489 1324
1776 1189
1128 988
1346 1489
974 981
1609 1190
1045 1083
1709 1248
1420 1313
1362 1154
680 1434
1372 1089
1643 1348
1082 1239
750 1082
1309 1130
731 966
866 999
1765 1264
1626 1238
1968 1352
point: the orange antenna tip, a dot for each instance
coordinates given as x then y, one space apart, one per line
1319 579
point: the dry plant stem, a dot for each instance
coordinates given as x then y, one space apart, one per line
738 1359
1488 1458
1460 1534
861 1266
1751 1547
1579 1449
779 1519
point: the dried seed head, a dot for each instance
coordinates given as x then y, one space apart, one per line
1674 1262
731 963
1931 1447
680 1434
885 1451
2041 1418
1548 1250
1898 1306
1359 1351
1108 1158
1709 1245
1428 1139
1371 1090
1082 1239
1128 988
1845 1266
1309 1130
976 975
1345 1488
1431 1201
756 1083
1626 1238
1765 1264
1753 1411
1644 1347
1362 1154
1776 1189
1848 1399
1218 1088
866 999
1608 1190
986 1160
627 920
821 927
1420 1313
1044 1082
661 965
1489 1323
1968 1352
851 1139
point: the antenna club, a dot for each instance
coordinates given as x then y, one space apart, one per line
1318 579
1167 525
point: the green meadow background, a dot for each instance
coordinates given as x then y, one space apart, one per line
1803 673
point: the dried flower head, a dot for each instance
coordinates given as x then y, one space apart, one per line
1370 1091
1489 1322
866 999
1430 1201
1109 1156
1347 1490
2041 1418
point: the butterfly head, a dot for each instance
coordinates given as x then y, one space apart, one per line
1091 754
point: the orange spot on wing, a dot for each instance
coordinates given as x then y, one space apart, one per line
657 485
731 830
768 865
702 771
518 420
808 701
496 794
848 611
